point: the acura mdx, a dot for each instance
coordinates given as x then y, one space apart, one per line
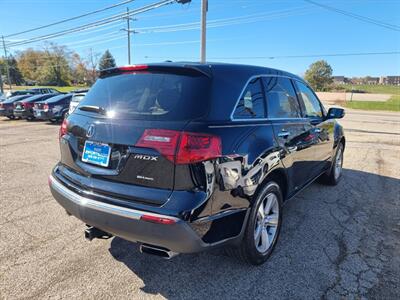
183 157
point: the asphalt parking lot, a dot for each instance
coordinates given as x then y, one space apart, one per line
336 242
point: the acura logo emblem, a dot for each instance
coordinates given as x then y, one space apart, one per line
90 131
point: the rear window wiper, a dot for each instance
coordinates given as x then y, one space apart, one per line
93 108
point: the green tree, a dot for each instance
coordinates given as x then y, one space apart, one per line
15 73
319 75
55 69
107 61
30 62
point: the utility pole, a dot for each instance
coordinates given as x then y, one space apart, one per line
204 9
129 31
6 61
1 80
129 35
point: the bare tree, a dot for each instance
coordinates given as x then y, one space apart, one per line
93 62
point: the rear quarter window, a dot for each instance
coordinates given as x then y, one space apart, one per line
151 96
251 102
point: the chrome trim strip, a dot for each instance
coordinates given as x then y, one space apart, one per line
244 88
101 206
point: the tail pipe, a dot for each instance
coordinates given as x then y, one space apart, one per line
157 251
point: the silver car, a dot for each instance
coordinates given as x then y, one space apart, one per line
76 98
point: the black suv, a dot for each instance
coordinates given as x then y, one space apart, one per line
183 157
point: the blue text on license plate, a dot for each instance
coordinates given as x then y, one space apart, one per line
96 153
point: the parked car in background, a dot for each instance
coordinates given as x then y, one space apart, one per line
34 91
7 106
77 97
52 109
24 108
2 97
184 157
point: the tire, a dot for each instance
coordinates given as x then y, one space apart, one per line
53 120
334 174
252 248
12 117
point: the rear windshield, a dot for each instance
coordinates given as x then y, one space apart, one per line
58 98
154 96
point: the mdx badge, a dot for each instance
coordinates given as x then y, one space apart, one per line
145 157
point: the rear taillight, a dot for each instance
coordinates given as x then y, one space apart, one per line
1 105
46 107
27 105
196 147
181 147
63 128
164 141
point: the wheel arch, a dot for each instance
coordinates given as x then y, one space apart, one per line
280 177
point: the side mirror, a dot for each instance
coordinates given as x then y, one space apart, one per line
335 113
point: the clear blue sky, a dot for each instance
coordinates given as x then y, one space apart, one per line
239 31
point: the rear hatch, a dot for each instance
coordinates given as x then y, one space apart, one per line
127 128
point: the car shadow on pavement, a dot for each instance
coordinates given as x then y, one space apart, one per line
335 242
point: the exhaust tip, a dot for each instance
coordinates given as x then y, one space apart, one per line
157 251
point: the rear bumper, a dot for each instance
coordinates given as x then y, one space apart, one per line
4 112
23 113
44 115
126 222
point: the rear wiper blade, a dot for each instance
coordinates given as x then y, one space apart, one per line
97 109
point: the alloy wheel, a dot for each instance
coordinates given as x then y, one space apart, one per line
338 163
267 223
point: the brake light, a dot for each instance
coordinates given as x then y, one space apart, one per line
63 129
163 140
158 220
27 105
182 147
133 68
196 147
1 105
46 107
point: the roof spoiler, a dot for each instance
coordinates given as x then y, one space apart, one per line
179 69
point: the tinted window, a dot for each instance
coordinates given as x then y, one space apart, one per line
155 96
251 103
312 107
281 98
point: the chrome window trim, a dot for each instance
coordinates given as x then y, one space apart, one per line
262 119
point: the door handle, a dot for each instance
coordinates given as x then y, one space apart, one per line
284 134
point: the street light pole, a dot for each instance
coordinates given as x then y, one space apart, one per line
204 8
6 62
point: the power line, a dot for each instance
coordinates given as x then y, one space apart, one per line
251 18
290 56
94 24
70 19
356 16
